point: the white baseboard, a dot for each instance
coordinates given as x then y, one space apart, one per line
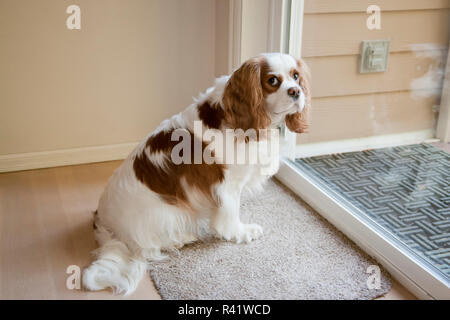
64 157
373 142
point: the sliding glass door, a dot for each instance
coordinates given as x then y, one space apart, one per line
371 163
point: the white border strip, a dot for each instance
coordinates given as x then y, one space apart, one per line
235 34
373 142
412 275
296 28
295 49
64 157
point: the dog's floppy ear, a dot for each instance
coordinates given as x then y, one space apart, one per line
298 122
243 99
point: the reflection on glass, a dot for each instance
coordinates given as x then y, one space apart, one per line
404 190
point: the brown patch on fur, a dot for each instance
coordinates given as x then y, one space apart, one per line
265 76
298 122
167 182
211 116
293 72
161 141
243 100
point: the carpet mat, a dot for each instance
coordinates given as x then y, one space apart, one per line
300 256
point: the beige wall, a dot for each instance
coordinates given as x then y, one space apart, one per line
222 38
136 62
347 104
255 28
132 64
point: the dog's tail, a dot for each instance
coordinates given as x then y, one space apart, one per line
115 266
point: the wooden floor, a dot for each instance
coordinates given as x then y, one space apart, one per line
46 226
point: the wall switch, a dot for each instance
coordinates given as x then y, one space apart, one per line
374 56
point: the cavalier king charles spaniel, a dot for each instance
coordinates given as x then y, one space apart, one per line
155 203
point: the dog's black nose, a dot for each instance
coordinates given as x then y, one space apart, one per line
294 92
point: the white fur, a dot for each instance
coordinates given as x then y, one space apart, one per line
279 103
135 225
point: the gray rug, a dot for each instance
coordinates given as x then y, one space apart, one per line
300 256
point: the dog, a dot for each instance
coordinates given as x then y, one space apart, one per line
154 203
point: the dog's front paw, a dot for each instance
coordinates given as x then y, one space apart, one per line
240 232
249 232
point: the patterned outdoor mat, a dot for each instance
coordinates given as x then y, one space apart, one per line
405 190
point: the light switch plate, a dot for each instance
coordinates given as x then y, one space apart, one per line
374 56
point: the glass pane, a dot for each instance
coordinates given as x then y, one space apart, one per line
377 77
403 190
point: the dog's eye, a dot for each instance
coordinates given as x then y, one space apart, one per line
295 76
273 81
